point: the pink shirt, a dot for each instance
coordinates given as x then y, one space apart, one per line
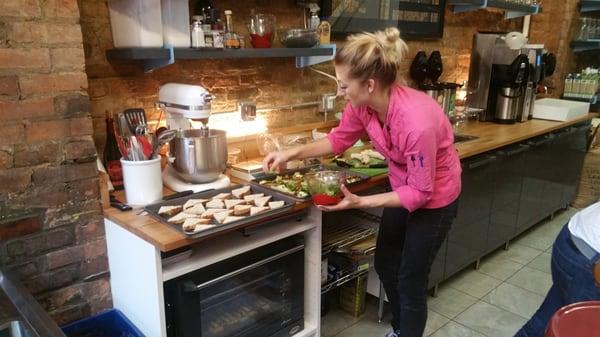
418 143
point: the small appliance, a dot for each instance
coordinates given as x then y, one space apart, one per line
197 156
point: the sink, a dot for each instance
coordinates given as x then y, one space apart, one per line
14 329
460 138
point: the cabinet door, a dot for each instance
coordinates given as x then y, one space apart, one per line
577 147
467 237
507 191
533 185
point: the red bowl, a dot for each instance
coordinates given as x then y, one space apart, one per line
325 200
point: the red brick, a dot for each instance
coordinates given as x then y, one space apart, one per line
90 231
61 9
72 104
34 245
68 314
47 130
14 180
34 108
9 85
63 257
6 160
53 280
36 154
11 134
20 227
46 33
81 126
64 173
95 266
95 249
17 58
21 8
69 295
80 149
67 59
47 83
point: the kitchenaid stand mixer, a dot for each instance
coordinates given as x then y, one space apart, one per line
197 156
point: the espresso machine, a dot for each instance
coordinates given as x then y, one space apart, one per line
503 76
198 154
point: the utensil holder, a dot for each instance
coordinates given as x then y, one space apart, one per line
142 181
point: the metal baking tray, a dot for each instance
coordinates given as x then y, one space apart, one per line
266 217
304 170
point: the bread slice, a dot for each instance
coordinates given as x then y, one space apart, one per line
241 210
181 217
258 210
215 203
190 223
193 202
169 210
229 204
276 204
262 202
220 217
250 198
241 192
222 196
232 219
197 209
210 213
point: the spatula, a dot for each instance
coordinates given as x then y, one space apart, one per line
134 118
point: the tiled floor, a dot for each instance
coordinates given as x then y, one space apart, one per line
494 301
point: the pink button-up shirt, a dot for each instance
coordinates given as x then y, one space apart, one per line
418 143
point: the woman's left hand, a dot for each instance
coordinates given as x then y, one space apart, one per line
350 201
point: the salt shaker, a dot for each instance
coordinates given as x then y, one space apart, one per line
197 36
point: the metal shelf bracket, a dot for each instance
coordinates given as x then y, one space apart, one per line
585 45
152 64
590 6
306 61
511 10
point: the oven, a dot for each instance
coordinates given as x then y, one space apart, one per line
259 293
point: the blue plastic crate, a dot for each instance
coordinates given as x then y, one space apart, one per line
111 323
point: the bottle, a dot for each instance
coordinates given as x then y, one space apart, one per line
112 155
314 20
576 88
569 85
197 35
324 32
230 40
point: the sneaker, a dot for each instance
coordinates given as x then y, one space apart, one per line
390 333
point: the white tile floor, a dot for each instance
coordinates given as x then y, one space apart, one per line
494 301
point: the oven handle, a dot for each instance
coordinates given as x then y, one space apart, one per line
193 287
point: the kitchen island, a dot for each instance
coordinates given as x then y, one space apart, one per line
137 243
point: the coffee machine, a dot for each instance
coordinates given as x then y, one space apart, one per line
497 64
198 154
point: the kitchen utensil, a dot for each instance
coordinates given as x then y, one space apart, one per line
262 29
435 67
142 181
199 158
135 117
114 202
418 67
325 186
299 38
163 138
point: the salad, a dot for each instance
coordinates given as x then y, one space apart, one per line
364 159
296 184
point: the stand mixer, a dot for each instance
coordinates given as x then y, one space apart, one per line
197 156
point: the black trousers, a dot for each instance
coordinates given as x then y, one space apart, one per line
406 247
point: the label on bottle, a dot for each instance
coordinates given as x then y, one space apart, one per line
217 37
115 173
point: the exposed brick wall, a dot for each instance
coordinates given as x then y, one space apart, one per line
51 230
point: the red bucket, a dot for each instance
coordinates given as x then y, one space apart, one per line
575 320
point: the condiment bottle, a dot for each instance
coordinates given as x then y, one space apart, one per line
324 32
230 40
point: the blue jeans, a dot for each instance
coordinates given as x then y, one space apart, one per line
406 247
572 281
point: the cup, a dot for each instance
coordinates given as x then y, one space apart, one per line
142 181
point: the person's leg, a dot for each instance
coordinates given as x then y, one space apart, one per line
388 255
426 230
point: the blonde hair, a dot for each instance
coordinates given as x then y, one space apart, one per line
373 55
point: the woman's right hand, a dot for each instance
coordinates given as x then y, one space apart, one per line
275 161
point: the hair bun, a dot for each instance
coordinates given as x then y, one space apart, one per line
392 34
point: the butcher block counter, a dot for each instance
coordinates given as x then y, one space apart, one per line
490 136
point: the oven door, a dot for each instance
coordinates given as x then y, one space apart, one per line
256 294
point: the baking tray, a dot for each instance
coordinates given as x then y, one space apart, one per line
280 213
304 170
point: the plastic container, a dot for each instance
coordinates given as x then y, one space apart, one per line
142 180
136 23
575 320
111 323
176 23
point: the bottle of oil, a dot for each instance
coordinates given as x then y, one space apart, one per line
231 40
112 155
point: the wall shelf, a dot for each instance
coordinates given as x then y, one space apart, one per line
585 45
154 58
590 6
512 10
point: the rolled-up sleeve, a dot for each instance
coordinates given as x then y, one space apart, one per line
348 132
420 154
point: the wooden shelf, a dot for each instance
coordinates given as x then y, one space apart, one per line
585 45
154 58
513 10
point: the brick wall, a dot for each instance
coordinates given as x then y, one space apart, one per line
51 230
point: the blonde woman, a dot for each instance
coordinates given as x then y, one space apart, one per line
412 132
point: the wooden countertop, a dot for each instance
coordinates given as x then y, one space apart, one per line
491 136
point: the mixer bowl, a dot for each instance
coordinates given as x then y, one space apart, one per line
197 158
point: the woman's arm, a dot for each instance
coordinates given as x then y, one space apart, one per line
318 148
389 199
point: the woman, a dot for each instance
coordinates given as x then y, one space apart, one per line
412 132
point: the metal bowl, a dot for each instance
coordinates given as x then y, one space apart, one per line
199 158
299 38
